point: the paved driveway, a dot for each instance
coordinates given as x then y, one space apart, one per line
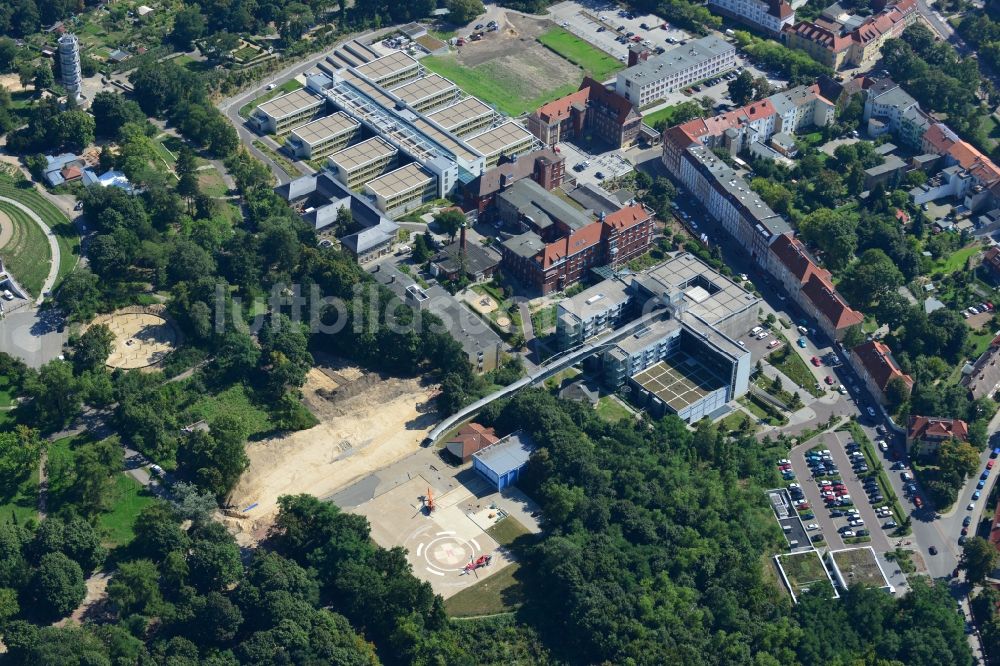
34 336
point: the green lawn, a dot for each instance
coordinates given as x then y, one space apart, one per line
128 499
595 63
791 364
211 183
26 254
233 401
283 162
609 409
20 503
65 232
286 87
494 84
498 593
543 319
957 260
165 153
507 531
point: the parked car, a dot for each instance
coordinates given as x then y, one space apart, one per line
815 361
801 342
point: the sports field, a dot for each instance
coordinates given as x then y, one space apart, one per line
65 233
513 90
595 62
26 252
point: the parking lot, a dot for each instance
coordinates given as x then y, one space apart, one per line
586 22
835 474
600 167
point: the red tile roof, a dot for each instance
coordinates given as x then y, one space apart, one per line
929 427
792 254
578 241
821 36
823 295
943 141
717 125
878 362
559 109
627 217
469 439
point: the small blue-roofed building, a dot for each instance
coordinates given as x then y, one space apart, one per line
502 463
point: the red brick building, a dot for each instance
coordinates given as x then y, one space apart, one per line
594 110
874 363
546 167
557 264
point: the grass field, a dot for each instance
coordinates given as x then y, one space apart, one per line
494 84
663 116
507 531
128 499
957 260
27 254
805 570
791 364
499 593
165 152
286 87
20 503
612 411
65 232
233 401
595 63
211 183
283 162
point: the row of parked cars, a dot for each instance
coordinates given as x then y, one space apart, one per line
977 309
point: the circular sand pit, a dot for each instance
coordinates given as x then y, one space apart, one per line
503 322
143 338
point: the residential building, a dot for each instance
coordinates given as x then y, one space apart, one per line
626 233
69 65
503 462
281 114
991 263
592 110
838 39
770 16
979 175
727 197
323 136
889 108
877 368
811 287
924 434
982 378
358 164
887 174
507 140
470 438
753 126
650 80
402 190
546 167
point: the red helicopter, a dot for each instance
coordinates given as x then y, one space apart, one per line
482 561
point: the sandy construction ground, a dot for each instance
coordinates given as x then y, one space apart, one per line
12 82
366 422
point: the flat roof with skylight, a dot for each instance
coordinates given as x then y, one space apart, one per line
399 181
360 154
290 104
423 88
707 294
500 138
460 113
386 66
324 128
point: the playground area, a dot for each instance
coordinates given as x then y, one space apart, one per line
142 338
440 543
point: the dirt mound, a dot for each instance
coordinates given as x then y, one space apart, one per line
365 424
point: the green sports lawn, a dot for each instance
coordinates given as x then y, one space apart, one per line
66 235
594 61
492 84
26 254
